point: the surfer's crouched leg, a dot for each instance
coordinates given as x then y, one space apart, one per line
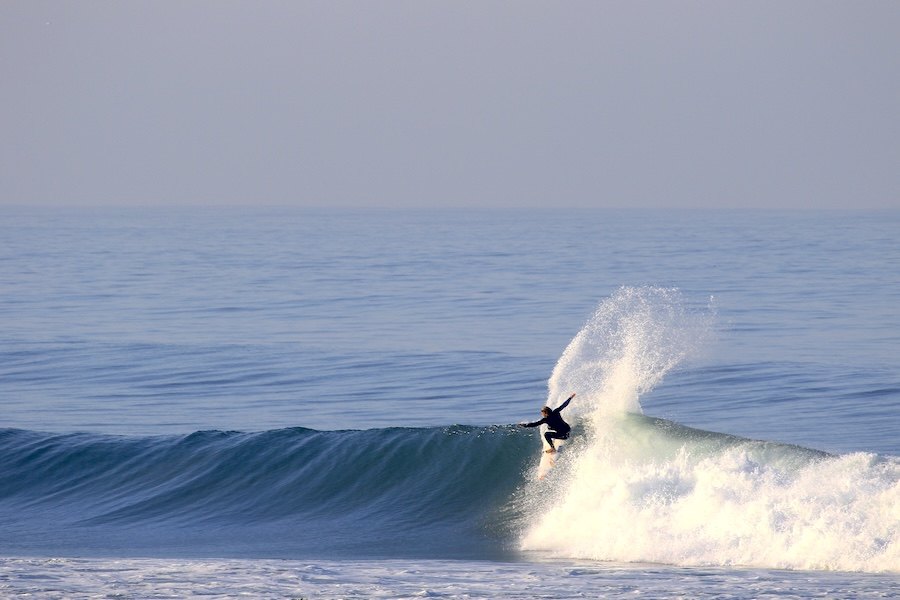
551 435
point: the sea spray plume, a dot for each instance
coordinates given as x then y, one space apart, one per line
626 347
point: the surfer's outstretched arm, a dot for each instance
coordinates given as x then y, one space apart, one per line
566 403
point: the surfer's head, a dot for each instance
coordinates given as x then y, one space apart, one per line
546 411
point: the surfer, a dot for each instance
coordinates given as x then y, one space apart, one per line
557 428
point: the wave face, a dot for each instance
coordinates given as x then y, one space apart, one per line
636 488
290 492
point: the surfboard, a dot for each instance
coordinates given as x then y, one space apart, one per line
548 460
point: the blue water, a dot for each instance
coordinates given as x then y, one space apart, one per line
342 385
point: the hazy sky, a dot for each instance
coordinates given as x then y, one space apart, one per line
420 103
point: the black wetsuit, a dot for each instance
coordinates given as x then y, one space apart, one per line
557 429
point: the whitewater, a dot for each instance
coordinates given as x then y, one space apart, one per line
637 488
248 406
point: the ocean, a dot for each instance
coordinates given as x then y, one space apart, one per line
287 403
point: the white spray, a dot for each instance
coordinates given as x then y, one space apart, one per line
630 342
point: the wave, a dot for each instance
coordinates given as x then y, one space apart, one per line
644 490
628 487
